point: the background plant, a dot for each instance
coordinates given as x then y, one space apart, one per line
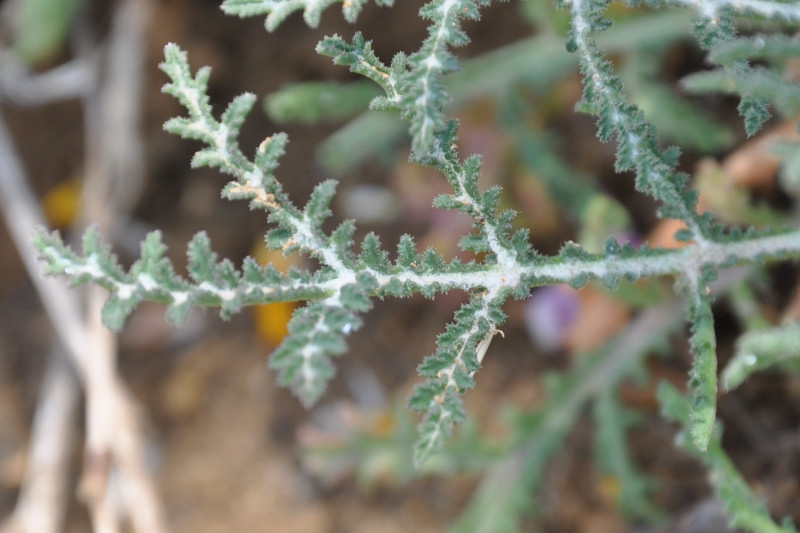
506 265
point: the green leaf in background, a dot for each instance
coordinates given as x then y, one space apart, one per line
612 420
680 121
41 28
314 102
758 350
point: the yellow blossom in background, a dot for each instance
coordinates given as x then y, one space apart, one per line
272 320
61 203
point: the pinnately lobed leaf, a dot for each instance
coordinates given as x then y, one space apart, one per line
278 10
503 262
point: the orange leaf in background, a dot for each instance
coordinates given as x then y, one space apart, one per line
663 234
600 317
754 165
61 203
272 320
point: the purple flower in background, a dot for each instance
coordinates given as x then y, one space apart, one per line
629 237
549 313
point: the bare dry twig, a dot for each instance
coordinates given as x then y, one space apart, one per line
117 482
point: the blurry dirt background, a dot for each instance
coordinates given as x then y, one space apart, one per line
225 439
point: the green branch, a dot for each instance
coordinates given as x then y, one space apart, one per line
505 265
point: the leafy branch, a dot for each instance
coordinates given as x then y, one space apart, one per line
637 149
715 28
278 10
414 85
349 276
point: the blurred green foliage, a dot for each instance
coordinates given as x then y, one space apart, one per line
41 28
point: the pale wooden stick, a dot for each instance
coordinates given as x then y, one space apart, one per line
65 82
115 448
41 505
22 216
114 436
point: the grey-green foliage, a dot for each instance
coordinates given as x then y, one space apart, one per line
278 10
314 102
757 350
413 86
